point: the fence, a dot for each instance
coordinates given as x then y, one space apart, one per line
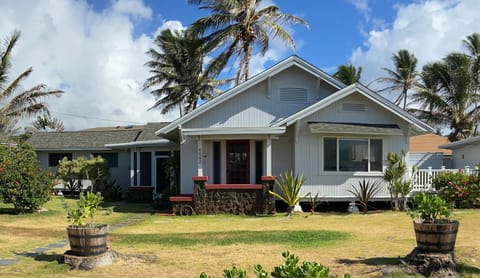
422 178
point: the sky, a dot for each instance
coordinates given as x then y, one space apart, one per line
94 50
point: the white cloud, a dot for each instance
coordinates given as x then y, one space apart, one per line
429 29
93 56
362 7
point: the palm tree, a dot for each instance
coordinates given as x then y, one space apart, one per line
178 78
348 74
46 122
447 95
239 25
13 104
403 78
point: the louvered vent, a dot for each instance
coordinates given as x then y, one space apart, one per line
353 107
293 95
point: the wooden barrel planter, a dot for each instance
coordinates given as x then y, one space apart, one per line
433 237
87 241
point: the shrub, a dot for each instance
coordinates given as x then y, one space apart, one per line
431 209
366 190
22 182
290 186
290 269
71 172
458 189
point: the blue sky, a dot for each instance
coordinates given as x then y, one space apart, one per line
95 49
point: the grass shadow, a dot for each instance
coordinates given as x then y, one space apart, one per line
467 269
48 258
372 261
125 207
9 211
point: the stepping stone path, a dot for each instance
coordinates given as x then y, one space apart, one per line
64 242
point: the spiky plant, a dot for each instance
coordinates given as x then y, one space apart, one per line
290 186
365 191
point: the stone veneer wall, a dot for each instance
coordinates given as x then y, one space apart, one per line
248 199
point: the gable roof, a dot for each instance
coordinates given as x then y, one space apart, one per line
371 95
80 140
454 145
281 66
101 138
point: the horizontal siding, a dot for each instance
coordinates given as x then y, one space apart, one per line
261 105
309 149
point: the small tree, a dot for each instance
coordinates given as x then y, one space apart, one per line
394 175
71 172
290 186
22 182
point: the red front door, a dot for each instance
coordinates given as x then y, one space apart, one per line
238 162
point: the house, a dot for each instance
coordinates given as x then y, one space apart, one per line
425 153
136 156
292 116
465 153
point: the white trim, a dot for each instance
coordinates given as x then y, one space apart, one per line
346 128
454 145
233 131
268 156
281 66
157 142
199 157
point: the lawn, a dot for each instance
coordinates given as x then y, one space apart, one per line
167 246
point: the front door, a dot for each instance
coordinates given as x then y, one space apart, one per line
163 181
238 162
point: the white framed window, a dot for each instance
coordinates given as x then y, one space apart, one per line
344 154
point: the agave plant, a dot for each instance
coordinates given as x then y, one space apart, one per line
290 186
365 191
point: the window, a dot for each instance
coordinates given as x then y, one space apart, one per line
111 158
54 158
352 154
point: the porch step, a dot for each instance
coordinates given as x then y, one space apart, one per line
185 198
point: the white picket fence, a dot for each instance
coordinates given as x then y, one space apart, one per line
422 178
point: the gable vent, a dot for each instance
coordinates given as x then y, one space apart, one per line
353 107
293 95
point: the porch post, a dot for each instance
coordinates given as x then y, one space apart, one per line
199 156
138 167
132 170
268 156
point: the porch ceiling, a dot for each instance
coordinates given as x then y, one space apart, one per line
355 128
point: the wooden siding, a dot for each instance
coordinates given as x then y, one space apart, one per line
309 149
261 105
428 143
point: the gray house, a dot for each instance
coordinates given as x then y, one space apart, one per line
465 153
292 116
134 153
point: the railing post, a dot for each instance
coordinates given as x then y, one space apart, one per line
467 170
429 178
442 167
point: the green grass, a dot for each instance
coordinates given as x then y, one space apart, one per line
296 239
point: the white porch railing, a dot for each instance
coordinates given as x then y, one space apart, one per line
422 178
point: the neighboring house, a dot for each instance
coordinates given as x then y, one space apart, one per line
425 153
292 116
135 154
465 153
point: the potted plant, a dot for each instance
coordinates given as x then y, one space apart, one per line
86 238
434 230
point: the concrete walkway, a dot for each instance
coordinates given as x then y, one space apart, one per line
64 242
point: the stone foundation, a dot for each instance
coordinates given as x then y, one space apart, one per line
433 264
89 262
247 199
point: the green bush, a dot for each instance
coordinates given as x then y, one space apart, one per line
290 269
22 182
459 189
